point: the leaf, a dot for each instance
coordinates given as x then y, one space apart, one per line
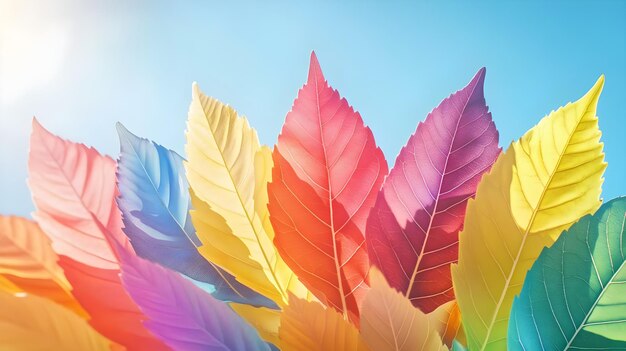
155 204
327 172
114 314
228 178
390 322
183 315
8 286
412 233
575 292
447 319
539 187
265 320
457 346
28 261
74 192
309 326
71 185
29 322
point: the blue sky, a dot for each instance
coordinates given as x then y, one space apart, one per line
80 68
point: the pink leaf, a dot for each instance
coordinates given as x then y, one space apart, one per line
74 190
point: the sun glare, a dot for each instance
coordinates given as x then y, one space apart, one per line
32 50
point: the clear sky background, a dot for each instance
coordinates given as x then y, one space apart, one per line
81 67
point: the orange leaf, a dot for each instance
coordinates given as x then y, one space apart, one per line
448 320
32 323
28 261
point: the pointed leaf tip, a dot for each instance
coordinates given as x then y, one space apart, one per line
477 83
593 95
125 135
195 89
599 85
36 125
480 75
315 71
121 129
39 131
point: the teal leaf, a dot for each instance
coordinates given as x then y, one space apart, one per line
574 296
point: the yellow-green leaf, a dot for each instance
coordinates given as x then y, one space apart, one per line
228 172
540 186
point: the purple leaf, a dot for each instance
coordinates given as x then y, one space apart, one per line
184 316
413 229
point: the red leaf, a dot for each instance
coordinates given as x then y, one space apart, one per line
327 172
413 230
114 313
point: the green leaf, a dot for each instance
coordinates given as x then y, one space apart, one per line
574 296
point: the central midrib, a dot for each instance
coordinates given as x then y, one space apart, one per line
595 303
330 202
86 208
154 187
430 222
254 230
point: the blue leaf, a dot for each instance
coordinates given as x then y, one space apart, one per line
155 203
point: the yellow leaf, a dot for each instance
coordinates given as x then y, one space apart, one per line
309 326
539 187
266 321
30 322
228 171
28 262
390 322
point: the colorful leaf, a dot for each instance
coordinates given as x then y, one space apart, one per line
390 322
265 320
8 286
71 185
457 346
228 178
448 323
183 315
28 261
539 187
309 326
575 293
327 172
412 232
29 322
155 204
74 192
